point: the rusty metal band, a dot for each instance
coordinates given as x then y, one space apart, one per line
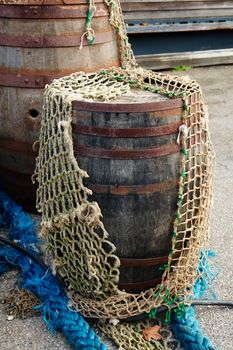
19 186
16 146
165 150
127 107
129 132
147 261
25 81
50 12
139 285
17 178
133 189
165 114
36 80
45 2
43 41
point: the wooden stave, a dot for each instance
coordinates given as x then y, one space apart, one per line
132 278
51 12
26 80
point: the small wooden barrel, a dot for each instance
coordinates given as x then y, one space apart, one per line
130 152
38 43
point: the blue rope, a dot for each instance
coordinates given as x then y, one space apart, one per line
54 307
56 313
185 326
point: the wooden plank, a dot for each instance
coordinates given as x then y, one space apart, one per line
205 13
168 1
178 27
179 5
178 15
194 59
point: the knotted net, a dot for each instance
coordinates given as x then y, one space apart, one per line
81 247
76 234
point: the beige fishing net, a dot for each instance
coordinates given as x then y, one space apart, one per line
20 303
80 245
131 335
76 235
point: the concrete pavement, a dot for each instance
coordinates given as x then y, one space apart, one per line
217 84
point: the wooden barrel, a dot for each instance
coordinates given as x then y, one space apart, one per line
130 152
40 42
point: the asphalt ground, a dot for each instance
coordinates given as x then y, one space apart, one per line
217 85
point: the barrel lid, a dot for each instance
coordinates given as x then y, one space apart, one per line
136 100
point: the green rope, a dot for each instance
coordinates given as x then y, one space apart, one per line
88 23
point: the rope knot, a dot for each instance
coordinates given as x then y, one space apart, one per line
89 213
183 132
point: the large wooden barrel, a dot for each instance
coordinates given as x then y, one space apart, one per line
130 152
38 43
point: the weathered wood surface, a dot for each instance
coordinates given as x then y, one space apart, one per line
128 5
179 26
167 1
194 59
174 14
32 53
152 16
137 195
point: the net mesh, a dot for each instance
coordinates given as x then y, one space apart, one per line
76 235
20 303
130 336
81 247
